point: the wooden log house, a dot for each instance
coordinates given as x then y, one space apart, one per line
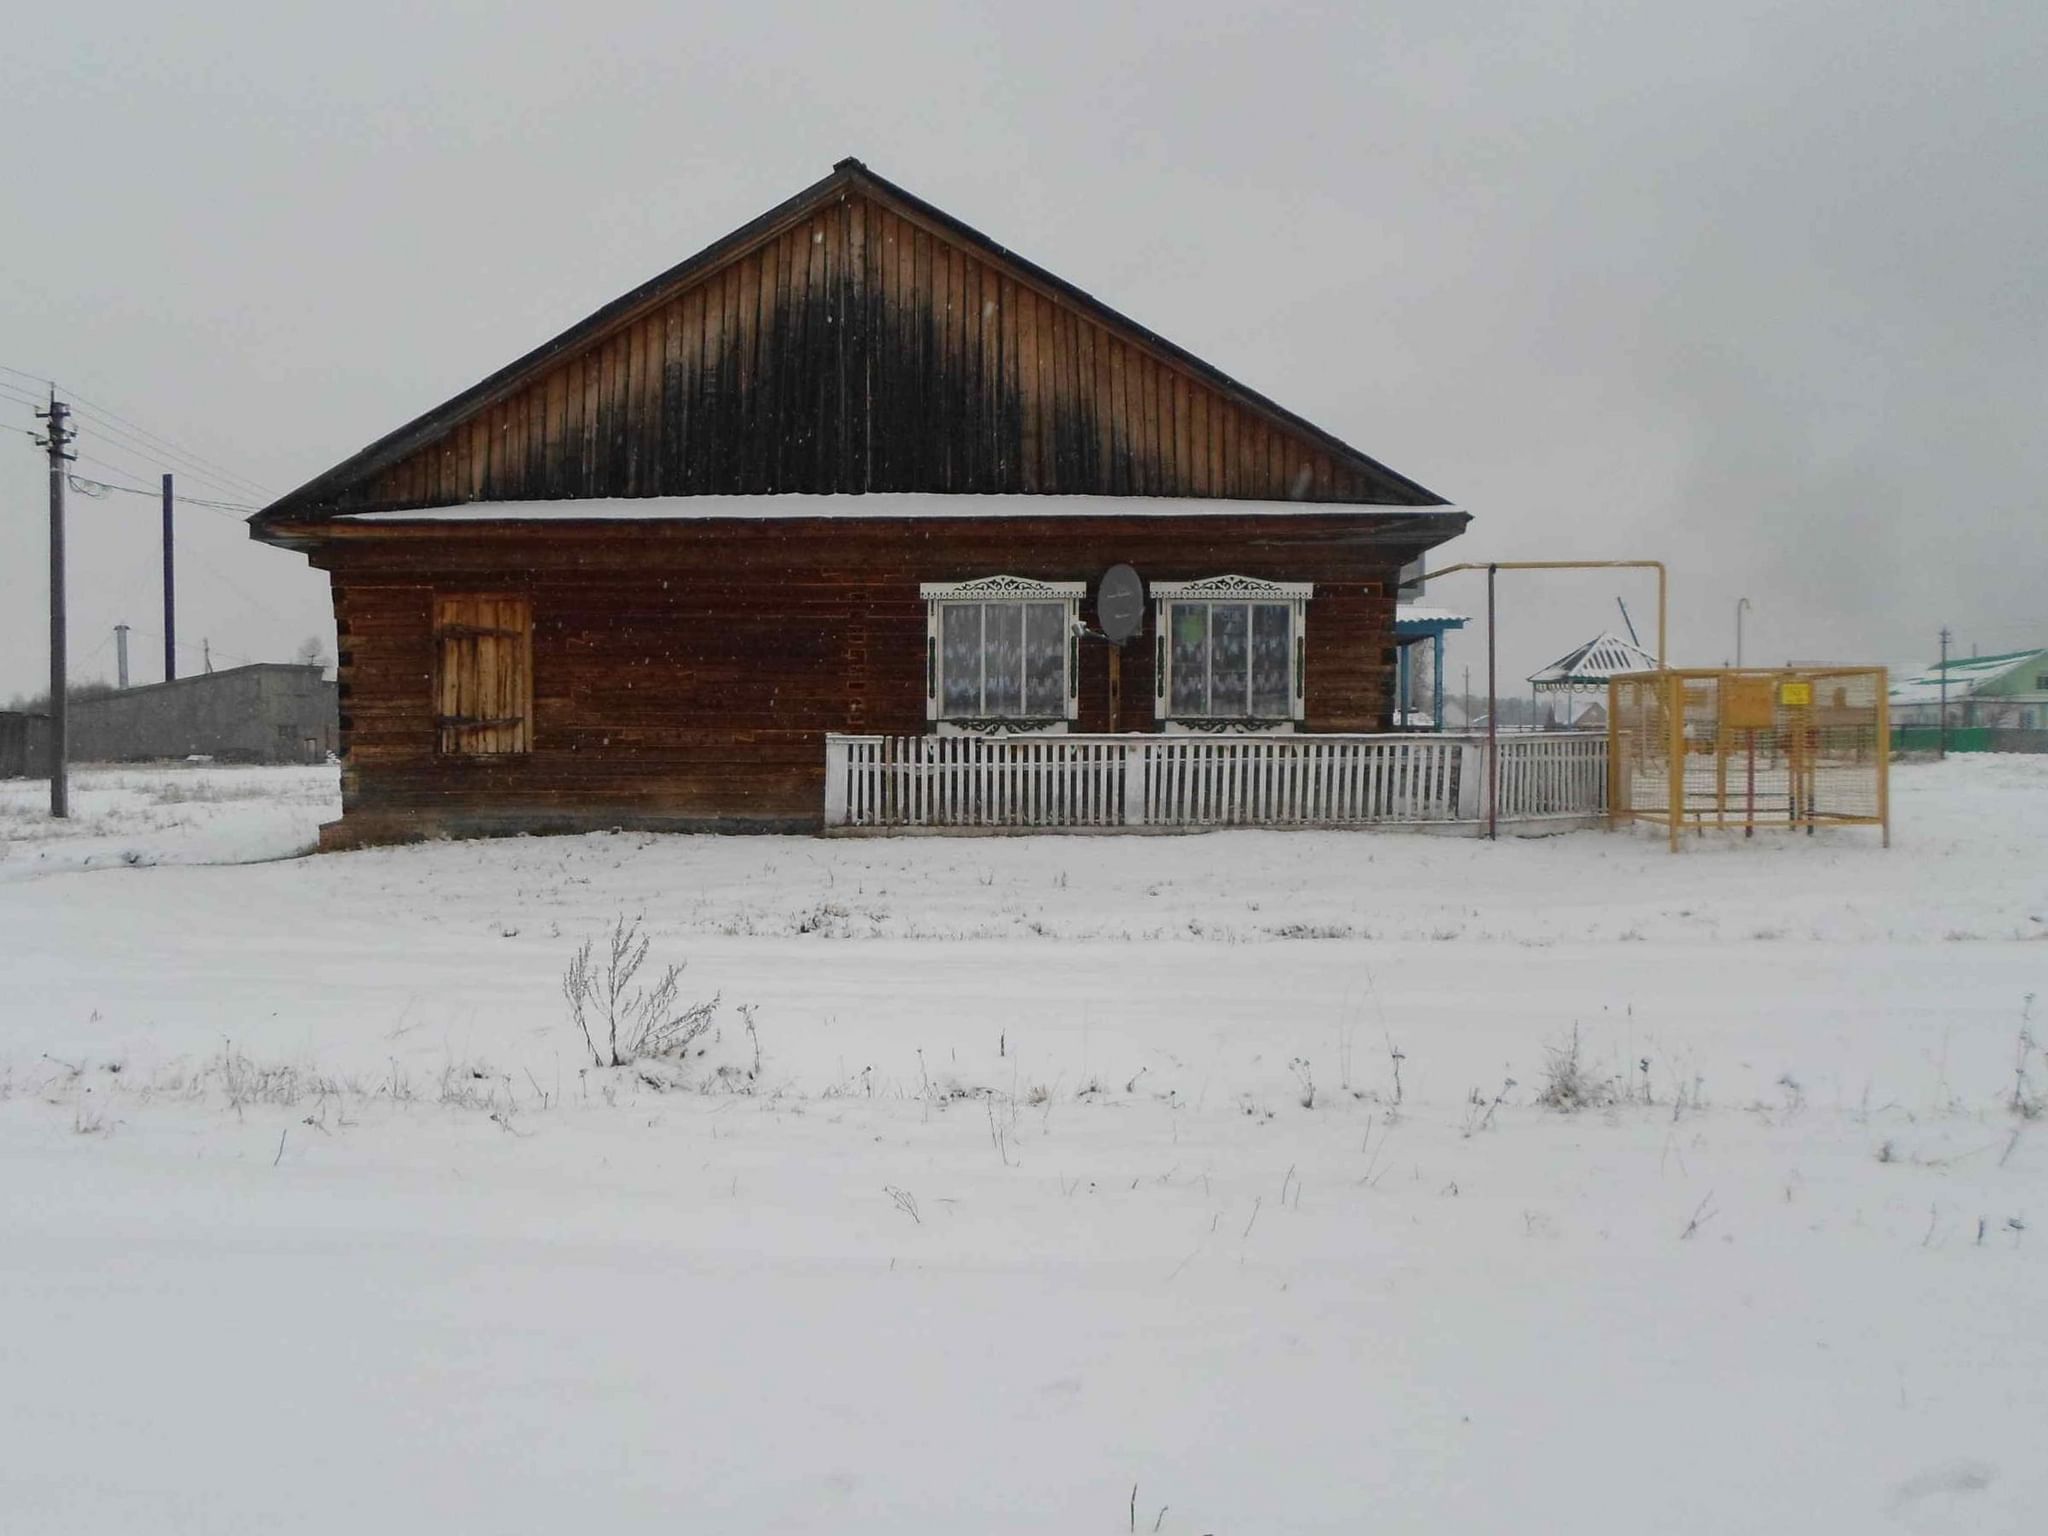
855 468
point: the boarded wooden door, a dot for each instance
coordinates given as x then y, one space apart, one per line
484 693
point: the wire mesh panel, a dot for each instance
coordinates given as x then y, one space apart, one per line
1750 747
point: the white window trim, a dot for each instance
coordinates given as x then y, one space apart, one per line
985 589
1230 589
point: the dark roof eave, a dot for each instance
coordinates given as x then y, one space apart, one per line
1411 530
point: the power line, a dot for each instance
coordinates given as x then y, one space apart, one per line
212 505
116 465
131 593
186 647
96 488
236 587
113 422
183 463
108 414
127 468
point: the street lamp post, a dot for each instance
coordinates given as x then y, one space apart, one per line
1741 605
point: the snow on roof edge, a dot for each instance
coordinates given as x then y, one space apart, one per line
1967 675
1424 613
871 506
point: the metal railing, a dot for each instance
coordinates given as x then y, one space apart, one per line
1203 781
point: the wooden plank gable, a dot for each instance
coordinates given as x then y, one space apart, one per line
853 340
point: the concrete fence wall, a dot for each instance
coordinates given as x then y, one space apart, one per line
24 745
268 712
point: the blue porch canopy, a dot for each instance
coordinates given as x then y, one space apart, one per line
1418 625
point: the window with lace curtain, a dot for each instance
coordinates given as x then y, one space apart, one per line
1001 653
1230 651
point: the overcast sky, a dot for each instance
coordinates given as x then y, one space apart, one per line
1754 288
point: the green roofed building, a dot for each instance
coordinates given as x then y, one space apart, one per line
1994 702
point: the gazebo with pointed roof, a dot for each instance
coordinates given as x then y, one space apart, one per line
1589 666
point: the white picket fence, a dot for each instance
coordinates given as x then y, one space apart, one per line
1558 773
1203 781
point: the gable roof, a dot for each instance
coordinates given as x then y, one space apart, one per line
1967 676
852 338
1606 655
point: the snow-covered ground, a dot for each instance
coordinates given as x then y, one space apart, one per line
1018 1173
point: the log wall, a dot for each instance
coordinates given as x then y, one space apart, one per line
685 674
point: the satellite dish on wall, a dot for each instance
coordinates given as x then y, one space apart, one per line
1120 603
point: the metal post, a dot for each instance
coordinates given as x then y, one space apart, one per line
59 435
1942 736
1741 603
1663 610
1884 759
1673 685
170 593
121 653
1492 718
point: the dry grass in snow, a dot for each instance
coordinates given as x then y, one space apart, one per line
1296 1182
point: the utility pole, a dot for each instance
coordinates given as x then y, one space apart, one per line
170 594
121 652
58 436
1942 739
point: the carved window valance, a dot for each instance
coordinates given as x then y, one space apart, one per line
1002 653
1231 653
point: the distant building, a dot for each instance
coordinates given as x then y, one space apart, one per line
267 712
2004 692
1577 715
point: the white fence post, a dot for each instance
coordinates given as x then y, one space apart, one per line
835 781
1134 753
1471 779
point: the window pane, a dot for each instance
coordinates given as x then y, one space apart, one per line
1272 653
1003 658
1045 660
960 656
1190 659
1229 658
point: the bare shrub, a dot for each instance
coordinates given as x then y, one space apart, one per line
1480 1110
904 1201
620 1022
1304 1075
1567 1084
2028 1101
